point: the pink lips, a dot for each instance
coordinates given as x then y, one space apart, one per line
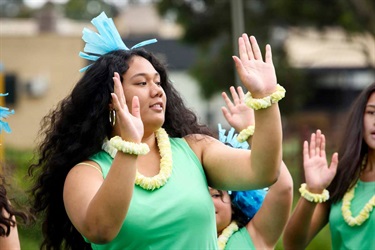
157 106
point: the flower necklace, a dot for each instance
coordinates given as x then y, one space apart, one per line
159 180
346 202
226 234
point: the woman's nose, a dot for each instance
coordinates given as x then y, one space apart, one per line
156 90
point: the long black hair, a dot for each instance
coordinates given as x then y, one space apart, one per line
8 212
75 130
352 148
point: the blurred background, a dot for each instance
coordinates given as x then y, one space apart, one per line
323 51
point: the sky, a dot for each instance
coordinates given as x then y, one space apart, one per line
39 3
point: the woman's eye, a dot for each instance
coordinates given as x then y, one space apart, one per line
158 83
215 195
142 83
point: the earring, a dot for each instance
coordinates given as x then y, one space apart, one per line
112 117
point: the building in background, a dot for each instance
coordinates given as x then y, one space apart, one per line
41 64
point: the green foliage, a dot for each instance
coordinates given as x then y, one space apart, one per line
208 25
88 9
17 162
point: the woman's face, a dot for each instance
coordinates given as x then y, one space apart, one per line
223 209
369 122
142 80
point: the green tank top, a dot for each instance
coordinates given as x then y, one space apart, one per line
356 237
240 240
179 215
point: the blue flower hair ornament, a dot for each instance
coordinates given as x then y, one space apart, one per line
106 40
4 113
231 138
249 201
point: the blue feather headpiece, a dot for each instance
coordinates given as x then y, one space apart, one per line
106 40
249 201
231 138
4 113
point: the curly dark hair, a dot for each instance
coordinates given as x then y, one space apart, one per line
8 212
353 148
237 215
75 130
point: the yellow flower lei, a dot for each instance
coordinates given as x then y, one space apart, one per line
312 197
226 234
159 180
267 101
129 147
245 134
346 203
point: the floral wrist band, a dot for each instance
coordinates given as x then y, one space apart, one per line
129 147
267 101
317 198
245 134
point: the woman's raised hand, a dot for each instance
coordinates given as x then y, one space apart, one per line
131 125
237 114
258 76
317 173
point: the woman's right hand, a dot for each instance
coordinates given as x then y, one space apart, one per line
317 173
130 124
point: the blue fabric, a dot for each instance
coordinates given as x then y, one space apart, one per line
4 113
249 201
106 40
231 138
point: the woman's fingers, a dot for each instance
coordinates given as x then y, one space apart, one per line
226 113
268 56
255 49
241 94
228 102
334 163
249 50
323 147
312 145
136 107
235 97
318 141
306 154
242 51
119 90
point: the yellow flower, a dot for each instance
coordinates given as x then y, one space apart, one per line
159 180
226 234
362 216
245 134
267 101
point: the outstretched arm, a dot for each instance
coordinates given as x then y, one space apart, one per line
232 169
269 222
318 176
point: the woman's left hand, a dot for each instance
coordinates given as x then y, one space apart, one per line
258 76
237 114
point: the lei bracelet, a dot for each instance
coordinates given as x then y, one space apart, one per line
245 134
317 198
129 147
267 101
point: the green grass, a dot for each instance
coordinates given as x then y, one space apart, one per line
31 236
16 166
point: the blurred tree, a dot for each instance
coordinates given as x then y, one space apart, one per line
14 8
207 24
88 9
